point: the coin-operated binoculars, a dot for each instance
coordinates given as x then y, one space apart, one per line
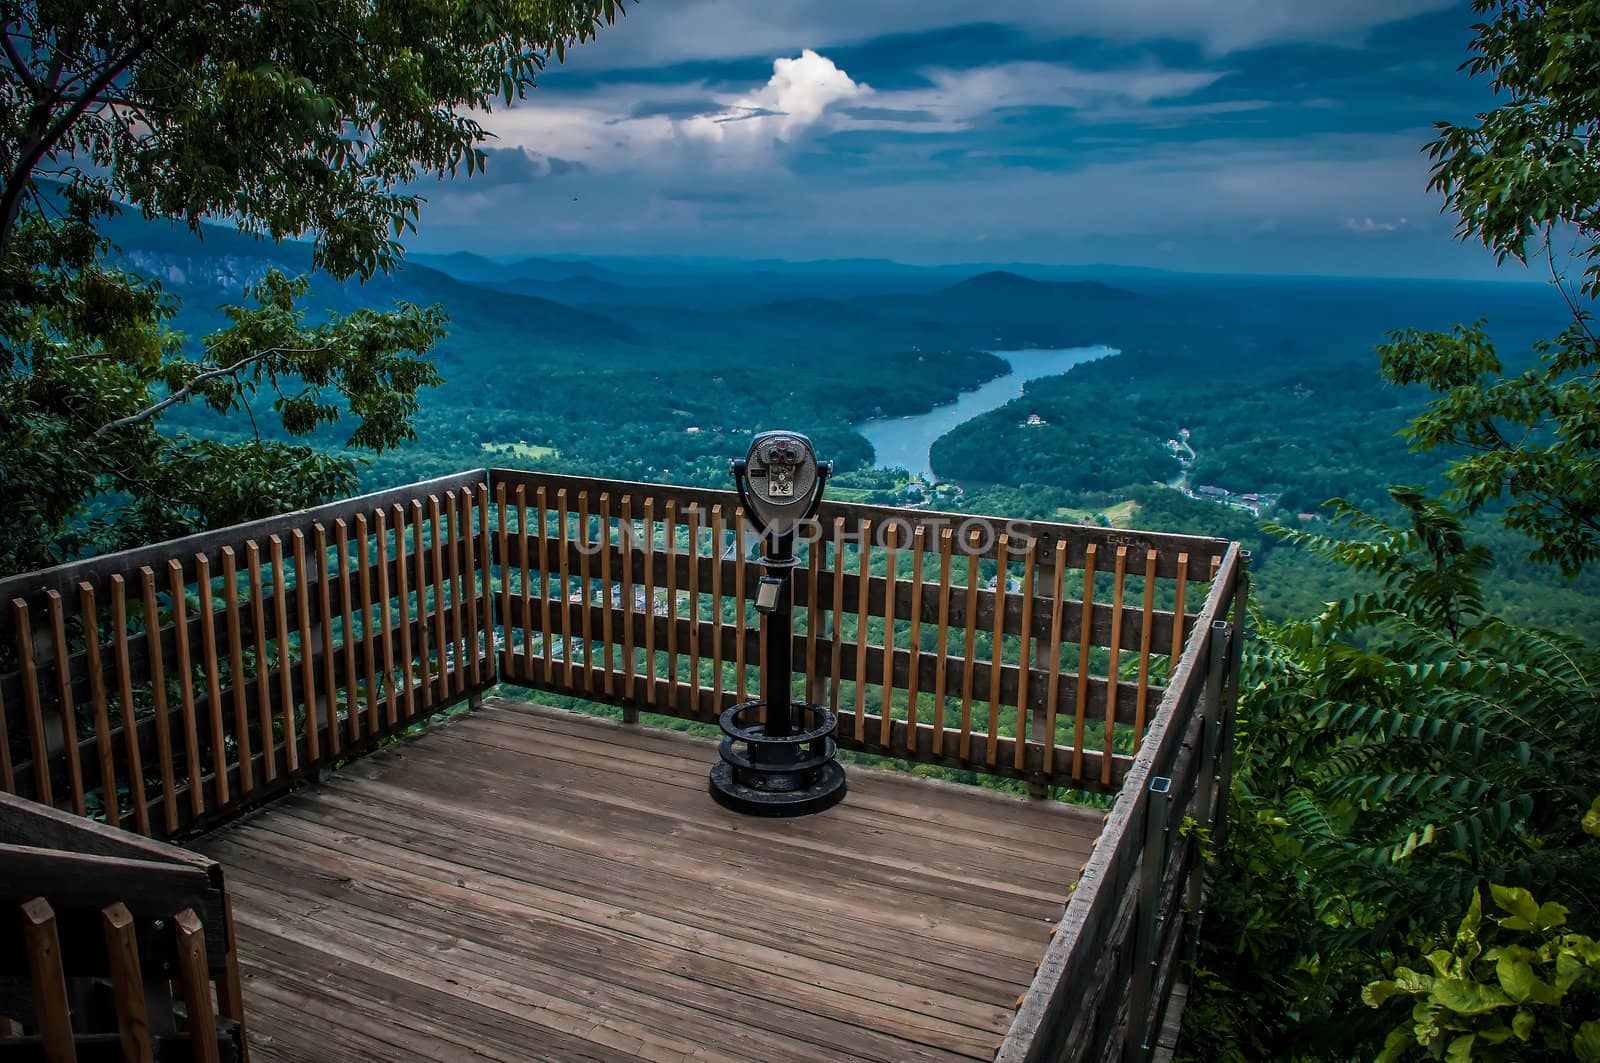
778 755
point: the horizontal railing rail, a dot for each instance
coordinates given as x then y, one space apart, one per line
125 946
1025 649
169 686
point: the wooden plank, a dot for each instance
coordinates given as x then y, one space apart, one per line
836 637
1058 608
1083 662
608 617
210 661
670 544
864 569
236 681
158 692
280 612
51 1011
259 621
997 646
719 625
502 530
892 573
544 585
442 670
693 530
110 803
369 648
1141 706
408 669
127 983
8 780
914 638
626 544
304 574
814 551
391 712
460 669
330 693
941 644
230 990
66 711
586 589
563 531
650 601
485 634
466 582
135 763
1025 659
969 643
419 554
1114 669
1177 610
193 769
195 984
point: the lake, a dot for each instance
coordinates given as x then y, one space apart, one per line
904 442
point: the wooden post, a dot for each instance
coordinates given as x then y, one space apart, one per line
195 985
127 983
49 983
1140 1034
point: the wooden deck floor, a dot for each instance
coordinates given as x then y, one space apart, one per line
526 883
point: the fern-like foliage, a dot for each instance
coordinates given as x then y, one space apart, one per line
1397 751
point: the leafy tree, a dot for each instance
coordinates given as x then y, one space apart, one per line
287 120
1524 179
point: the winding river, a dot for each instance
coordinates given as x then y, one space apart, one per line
904 442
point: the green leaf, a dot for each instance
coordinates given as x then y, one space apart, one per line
1586 1042
1460 1049
1591 819
1522 1023
1468 998
1376 994
1516 977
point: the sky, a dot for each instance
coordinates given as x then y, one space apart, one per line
1254 136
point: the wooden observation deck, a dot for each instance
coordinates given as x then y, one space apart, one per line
412 832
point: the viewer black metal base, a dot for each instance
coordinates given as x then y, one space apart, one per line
777 775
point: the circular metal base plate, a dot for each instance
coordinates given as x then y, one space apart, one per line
827 791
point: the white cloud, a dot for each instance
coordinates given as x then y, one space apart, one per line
1371 225
796 97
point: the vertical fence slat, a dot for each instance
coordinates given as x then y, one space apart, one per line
586 591
180 634
458 587
941 644
670 546
997 647
38 747
1177 614
330 691
51 1010
258 619
969 643
814 551
1058 609
467 580
503 544
650 600
110 802
66 710
836 639
483 630
919 544
419 559
863 586
207 609
441 670
891 580
694 610
402 591
158 691
1141 705
308 672
563 548
195 984
608 600
380 526
524 574
280 614
739 550
544 587
369 648
8 781
1025 655
236 683
718 625
127 983
1084 640
130 728
1115 667
347 630
626 543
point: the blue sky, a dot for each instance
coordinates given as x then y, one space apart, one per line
1272 136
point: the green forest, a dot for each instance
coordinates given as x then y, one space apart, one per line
191 339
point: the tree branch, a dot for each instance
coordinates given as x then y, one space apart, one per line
189 388
20 65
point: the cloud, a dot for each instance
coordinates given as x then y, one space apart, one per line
1370 225
515 165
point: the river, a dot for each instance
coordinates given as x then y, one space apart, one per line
904 442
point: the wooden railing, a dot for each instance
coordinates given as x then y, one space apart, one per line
1102 990
165 688
1025 649
125 945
